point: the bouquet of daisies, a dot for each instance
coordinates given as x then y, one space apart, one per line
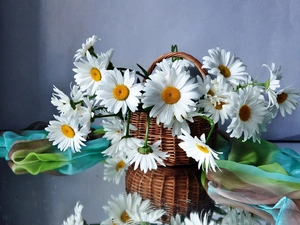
171 95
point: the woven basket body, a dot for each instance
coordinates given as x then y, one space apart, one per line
176 187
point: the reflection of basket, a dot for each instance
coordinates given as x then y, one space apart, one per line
177 187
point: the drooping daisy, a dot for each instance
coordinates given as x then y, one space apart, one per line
89 43
75 219
90 73
114 169
287 100
198 150
66 132
123 147
119 92
196 220
248 110
170 95
226 66
114 129
166 65
272 83
147 157
119 207
65 104
176 126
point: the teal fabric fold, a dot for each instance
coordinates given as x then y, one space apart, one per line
258 177
31 152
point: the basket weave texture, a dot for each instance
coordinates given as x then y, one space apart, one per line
176 187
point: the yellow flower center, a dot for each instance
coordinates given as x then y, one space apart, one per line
170 95
224 71
202 148
245 113
210 92
121 92
219 106
125 217
282 97
67 131
120 165
95 74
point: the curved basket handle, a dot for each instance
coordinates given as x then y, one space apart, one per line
182 55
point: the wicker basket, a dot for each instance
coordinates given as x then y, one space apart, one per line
176 187
177 156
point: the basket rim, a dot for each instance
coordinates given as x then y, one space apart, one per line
184 55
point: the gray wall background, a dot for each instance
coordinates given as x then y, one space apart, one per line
39 39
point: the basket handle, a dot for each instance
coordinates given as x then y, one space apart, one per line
184 55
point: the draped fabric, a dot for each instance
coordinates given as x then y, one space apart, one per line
31 152
259 178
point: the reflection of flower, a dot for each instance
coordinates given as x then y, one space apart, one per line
127 207
75 219
198 150
238 217
195 219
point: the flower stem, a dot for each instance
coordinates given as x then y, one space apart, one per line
147 130
212 127
128 123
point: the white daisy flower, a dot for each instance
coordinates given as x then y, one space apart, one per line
120 207
119 92
114 169
196 220
64 104
170 95
216 101
66 132
166 65
75 219
248 110
114 129
176 126
89 74
198 150
89 43
176 220
123 146
272 84
226 66
287 100
147 157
